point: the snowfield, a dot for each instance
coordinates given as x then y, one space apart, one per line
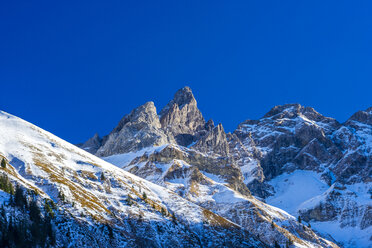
292 190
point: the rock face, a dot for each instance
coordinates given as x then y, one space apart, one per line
291 136
182 118
354 138
139 129
214 142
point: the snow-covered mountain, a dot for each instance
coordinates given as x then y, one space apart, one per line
293 178
293 158
316 168
91 203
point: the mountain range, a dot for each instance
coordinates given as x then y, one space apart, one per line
169 178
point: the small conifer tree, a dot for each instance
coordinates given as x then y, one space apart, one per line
276 245
174 219
3 163
61 196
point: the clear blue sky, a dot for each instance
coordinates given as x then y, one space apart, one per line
76 67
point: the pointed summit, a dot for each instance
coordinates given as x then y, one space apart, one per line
145 113
139 129
182 97
362 117
292 111
182 118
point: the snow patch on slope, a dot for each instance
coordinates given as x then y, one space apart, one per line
122 160
291 190
352 237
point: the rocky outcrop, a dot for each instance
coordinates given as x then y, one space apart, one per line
364 117
92 145
355 139
247 158
182 118
139 129
214 142
340 203
291 137
222 166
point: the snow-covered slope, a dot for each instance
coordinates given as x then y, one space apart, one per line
90 193
343 209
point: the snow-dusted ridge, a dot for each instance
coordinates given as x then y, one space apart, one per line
96 193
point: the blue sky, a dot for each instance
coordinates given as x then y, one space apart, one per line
76 67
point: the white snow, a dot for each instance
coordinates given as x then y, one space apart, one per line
226 195
214 177
352 237
122 160
291 190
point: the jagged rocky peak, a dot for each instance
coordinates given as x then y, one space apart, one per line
214 142
355 139
364 117
145 113
294 110
209 125
182 118
139 129
181 97
291 137
92 144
